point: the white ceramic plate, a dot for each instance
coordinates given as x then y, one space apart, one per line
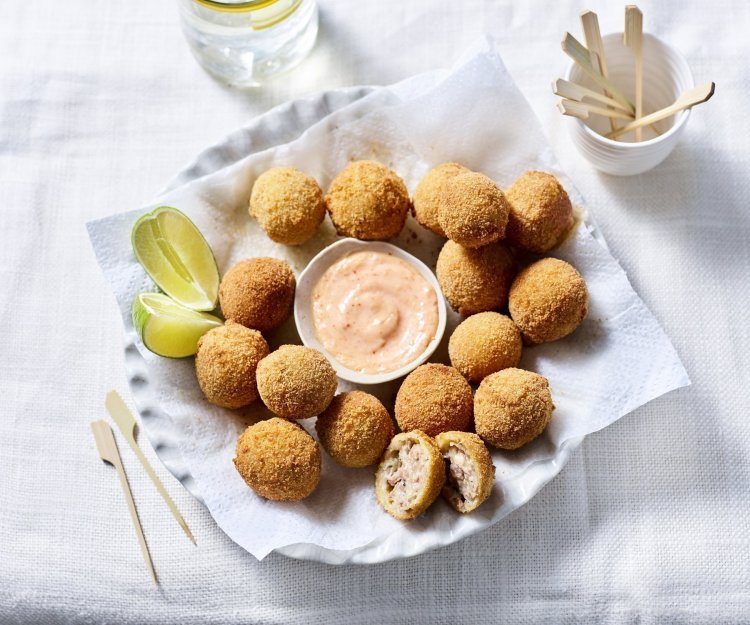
278 126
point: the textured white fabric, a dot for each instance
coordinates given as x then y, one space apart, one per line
101 103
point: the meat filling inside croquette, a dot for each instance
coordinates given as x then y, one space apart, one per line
462 480
404 475
410 476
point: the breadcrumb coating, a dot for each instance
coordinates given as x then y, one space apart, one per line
258 293
512 407
288 204
410 475
278 460
225 364
472 210
368 201
469 470
540 212
355 429
476 280
434 398
483 344
548 300
296 382
427 194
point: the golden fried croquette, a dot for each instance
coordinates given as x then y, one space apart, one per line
434 398
355 429
296 382
368 201
548 300
475 281
483 344
540 212
288 205
469 471
472 210
258 293
225 364
410 476
279 460
512 407
427 194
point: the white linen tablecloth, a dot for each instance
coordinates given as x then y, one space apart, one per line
101 103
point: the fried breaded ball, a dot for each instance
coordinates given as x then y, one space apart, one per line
548 300
225 364
410 476
426 196
288 205
469 471
483 344
540 212
368 201
279 460
434 398
296 382
258 293
512 407
355 429
475 281
472 210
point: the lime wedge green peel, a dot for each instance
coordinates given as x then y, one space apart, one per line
177 257
167 328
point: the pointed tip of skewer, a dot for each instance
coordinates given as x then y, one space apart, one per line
189 533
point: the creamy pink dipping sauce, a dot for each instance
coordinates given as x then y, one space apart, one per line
373 312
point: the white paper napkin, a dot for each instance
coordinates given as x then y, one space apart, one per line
618 360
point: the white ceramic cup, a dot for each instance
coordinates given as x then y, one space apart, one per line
303 315
666 75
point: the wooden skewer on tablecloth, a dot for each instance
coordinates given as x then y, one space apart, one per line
126 422
105 443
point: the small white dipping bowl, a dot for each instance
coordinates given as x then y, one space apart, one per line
303 314
666 75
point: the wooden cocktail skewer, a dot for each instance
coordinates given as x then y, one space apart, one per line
577 51
633 39
688 99
126 422
593 37
581 110
573 91
105 443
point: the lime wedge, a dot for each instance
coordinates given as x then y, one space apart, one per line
167 328
177 257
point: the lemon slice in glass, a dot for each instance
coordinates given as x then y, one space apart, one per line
167 328
177 257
